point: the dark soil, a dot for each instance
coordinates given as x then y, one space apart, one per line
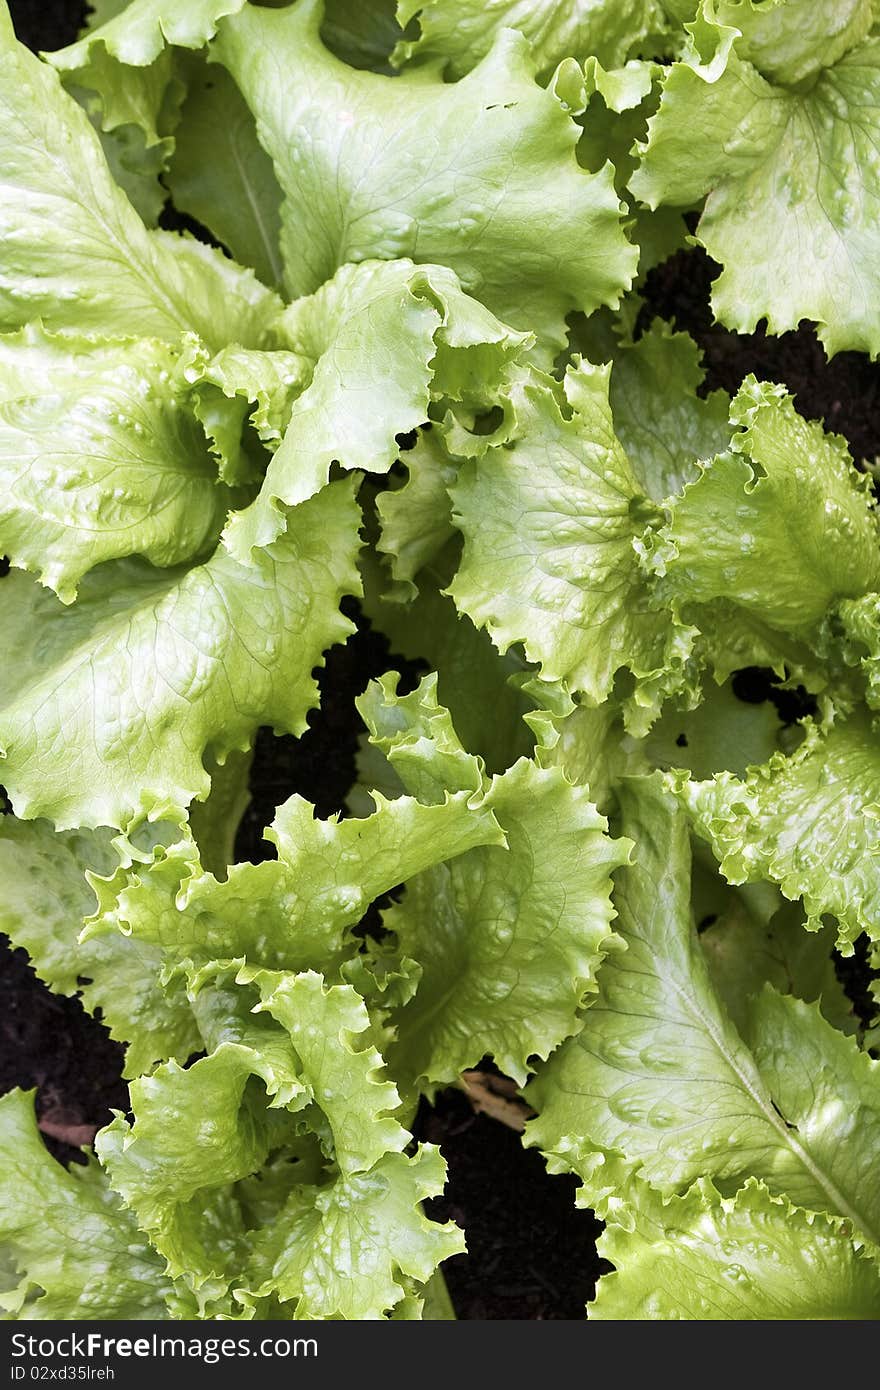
844 393
47 24
321 764
532 1254
50 1042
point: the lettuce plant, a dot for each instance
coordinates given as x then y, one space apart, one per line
410 371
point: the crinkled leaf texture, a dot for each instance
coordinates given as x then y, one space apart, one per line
550 519
113 702
660 1074
508 939
46 898
808 821
581 545
746 1257
792 177
342 1235
379 343
462 31
480 175
781 524
294 912
76 1249
72 248
99 458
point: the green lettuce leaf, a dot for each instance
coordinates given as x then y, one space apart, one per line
346 1080
350 1250
791 41
462 32
45 901
134 109
613 107
476 684
220 174
744 954
659 1074
782 524
127 60
792 178
508 941
78 1252
722 734
416 735
99 458
243 398
383 340
857 623
589 745
751 1256
479 176
343 1236
416 518
76 253
550 520
139 32
807 821
293 912
195 1133
663 425
150 669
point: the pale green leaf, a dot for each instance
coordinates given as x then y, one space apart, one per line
588 744
475 683
78 1253
748 1257
461 32
135 106
349 1250
659 1074
138 34
792 178
383 339
221 175
659 419
858 621
722 734
791 41
46 898
99 458
112 703
293 912
479 175
508 940
743 954
243 398
196 1132
183 1167
73 249
416 518
782 525
550 521
617 104
415 733
809 822
330 1032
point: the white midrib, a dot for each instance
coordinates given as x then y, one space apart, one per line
758 1094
